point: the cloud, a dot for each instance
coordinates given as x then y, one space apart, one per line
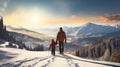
112 17
3 5
40 18
36 18
107 19
64 7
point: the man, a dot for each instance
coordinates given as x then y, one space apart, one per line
61 38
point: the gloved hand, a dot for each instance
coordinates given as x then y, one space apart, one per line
57 46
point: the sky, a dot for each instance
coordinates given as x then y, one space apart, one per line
58 13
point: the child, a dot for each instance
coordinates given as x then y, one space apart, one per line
52 47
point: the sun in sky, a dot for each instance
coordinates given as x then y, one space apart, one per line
35 19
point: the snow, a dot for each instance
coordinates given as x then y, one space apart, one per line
12 57
4 44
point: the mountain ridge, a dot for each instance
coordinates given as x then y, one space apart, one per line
86 29
89 28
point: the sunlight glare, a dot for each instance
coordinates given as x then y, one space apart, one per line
35 19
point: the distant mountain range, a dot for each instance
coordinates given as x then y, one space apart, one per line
87 29
91 28
30 33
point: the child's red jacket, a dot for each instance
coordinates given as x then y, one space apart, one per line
52 45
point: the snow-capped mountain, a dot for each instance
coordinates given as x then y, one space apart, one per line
91 28
87 29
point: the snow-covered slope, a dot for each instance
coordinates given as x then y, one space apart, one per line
30 33
11 57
